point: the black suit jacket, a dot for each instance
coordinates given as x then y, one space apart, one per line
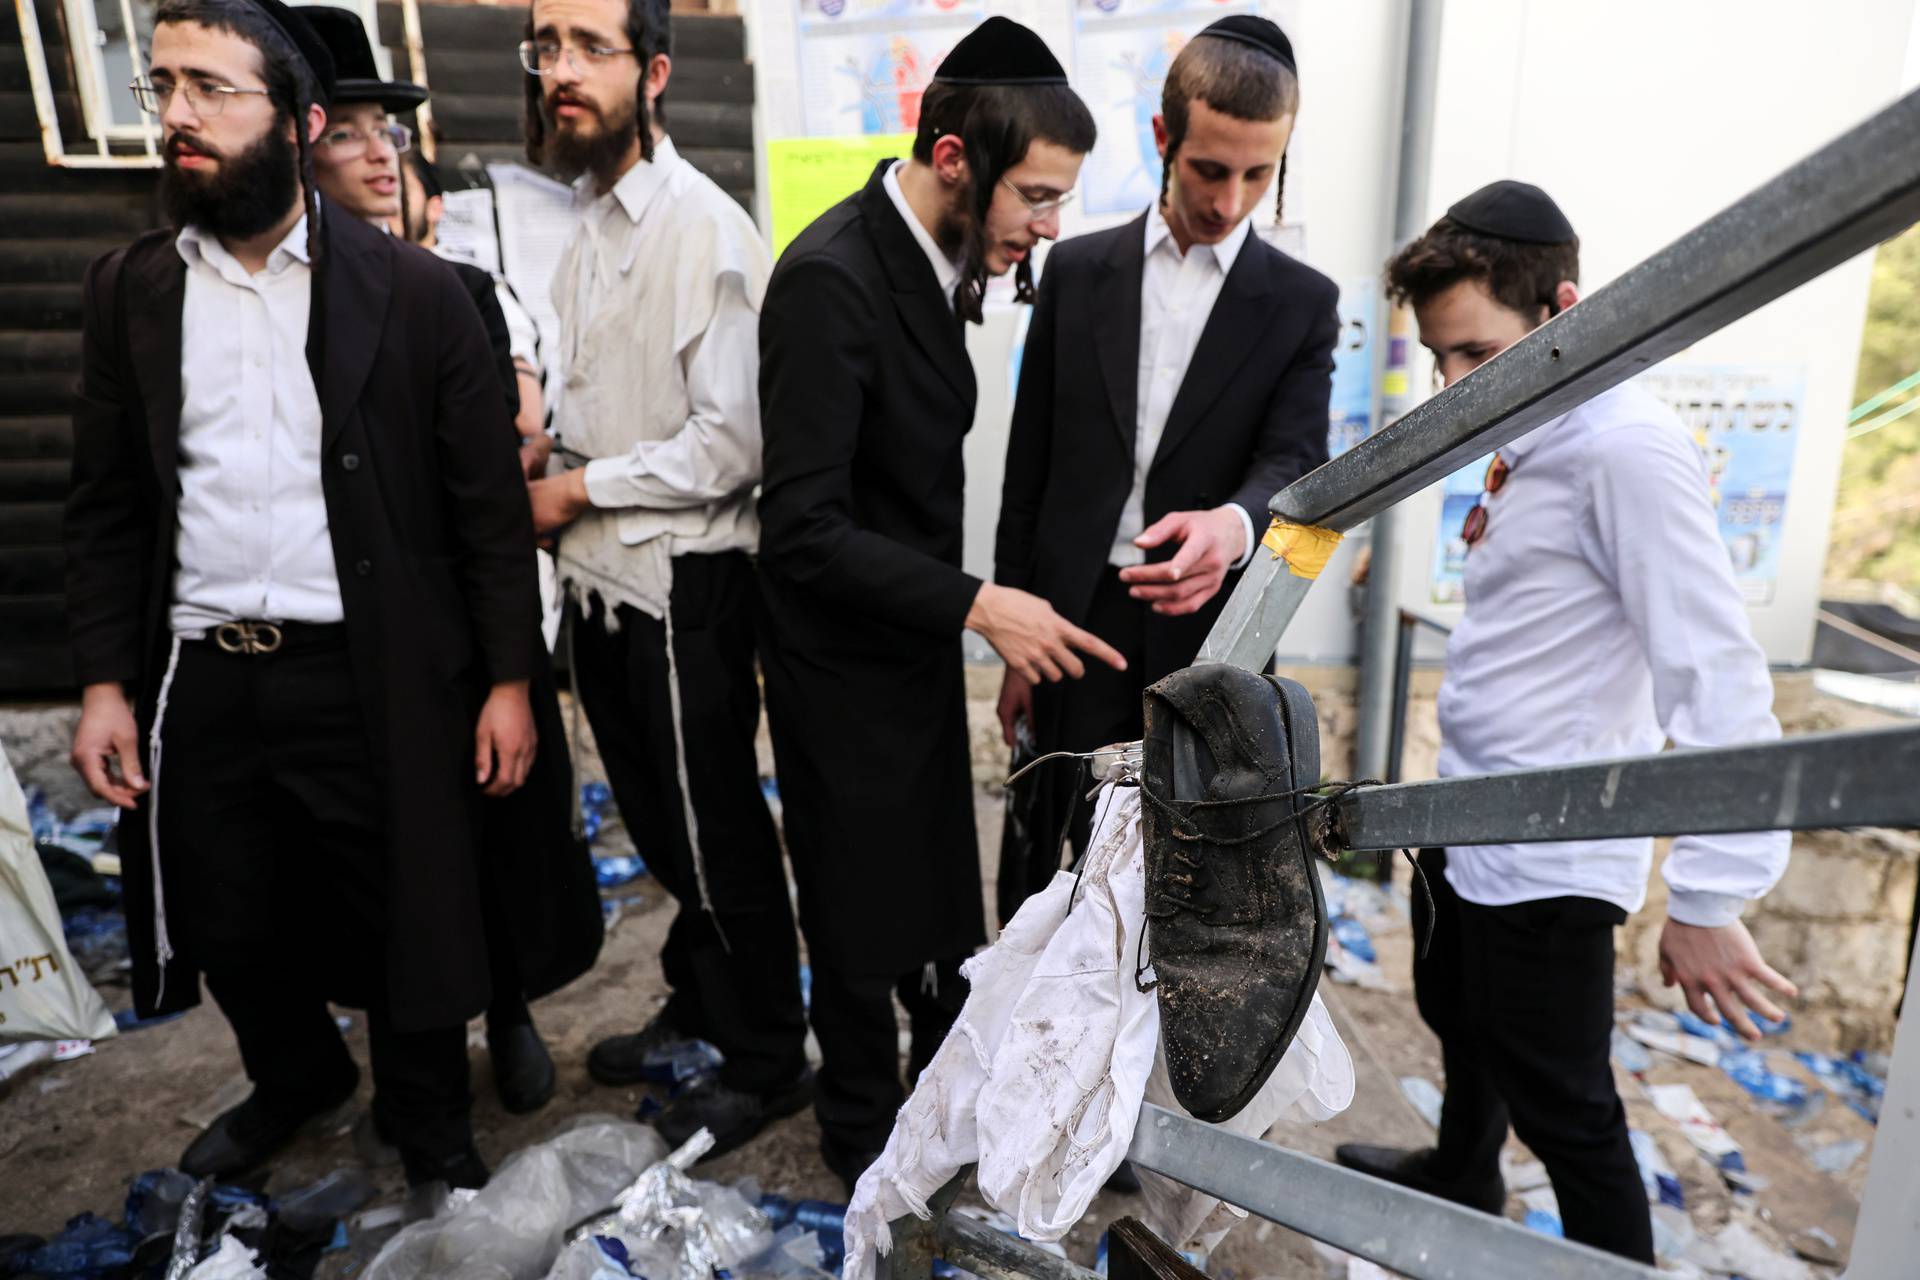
432 538
866 396
1250 417
478 283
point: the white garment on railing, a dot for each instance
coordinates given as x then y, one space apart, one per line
1040 1081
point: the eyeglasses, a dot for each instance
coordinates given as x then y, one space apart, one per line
347 142
542 57
1038 209
206 97
1474 527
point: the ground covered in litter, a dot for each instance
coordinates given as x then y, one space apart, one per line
1754 1161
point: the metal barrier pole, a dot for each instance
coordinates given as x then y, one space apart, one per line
1886 1236
1373 751
1415 1234
1848 196
1402 680
1813 781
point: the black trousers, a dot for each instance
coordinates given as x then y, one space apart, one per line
859 1088
741 991
273 840
1521 997
1100 707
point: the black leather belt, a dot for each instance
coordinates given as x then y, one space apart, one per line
257 639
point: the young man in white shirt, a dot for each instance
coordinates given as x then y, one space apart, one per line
659 298
1602 620
1175 378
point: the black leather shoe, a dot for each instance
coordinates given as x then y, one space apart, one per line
523 1073
733 1117
847 1162
1408 1168
1236 925
620 1060
247 1135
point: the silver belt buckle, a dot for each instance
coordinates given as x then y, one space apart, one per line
251 638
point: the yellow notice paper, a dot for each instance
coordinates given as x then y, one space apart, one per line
808 176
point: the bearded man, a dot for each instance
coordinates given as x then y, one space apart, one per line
657 414
299 584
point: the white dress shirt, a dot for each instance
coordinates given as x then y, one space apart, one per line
946 269
1177 293
253 522
659 297
1602 619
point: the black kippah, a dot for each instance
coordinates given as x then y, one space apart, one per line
306 41
1258 32
1512 210
1000 51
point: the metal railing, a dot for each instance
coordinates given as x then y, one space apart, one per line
1856 191
1409 628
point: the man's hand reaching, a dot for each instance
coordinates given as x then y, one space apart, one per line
1722 973
1211 542
1036 642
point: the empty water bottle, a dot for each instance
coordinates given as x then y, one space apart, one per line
680 1061
1353 936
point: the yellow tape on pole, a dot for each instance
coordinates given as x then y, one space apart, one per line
1306 548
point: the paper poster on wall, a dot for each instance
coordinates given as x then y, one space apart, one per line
466 228
537 218
808 176
1350 409
1121 52
865 63
1746 419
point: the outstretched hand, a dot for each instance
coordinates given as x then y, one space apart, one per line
1722 973
1035 641
1210 542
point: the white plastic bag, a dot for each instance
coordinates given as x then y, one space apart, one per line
43 994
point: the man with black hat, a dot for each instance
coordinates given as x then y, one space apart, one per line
657 416
866 395
1602 620
308 608
535 869
1176 377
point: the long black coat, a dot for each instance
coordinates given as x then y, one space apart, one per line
866 395
430 528
1250 416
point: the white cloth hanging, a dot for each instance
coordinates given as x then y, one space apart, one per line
1040 1081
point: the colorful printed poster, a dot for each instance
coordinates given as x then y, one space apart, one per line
1350 410
808 176
1746 419
1121 52
865 63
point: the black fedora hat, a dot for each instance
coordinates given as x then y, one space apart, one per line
356 74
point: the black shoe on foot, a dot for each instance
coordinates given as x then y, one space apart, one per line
246 1136
620 1060
1236 925
1408 1168
847 1162
733 1116
431 1182
522 1068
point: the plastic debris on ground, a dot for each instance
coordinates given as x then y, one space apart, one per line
1748 1068
182 1229
1521 1175
1838 1157
1739 1251
596 800
1425 1097
1660 1030
1816 1244
667 1226
1542 1212
513 1228
1656 1173
680 1062
1629 1054
825 1220
1850 1079
1355 909
615 870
